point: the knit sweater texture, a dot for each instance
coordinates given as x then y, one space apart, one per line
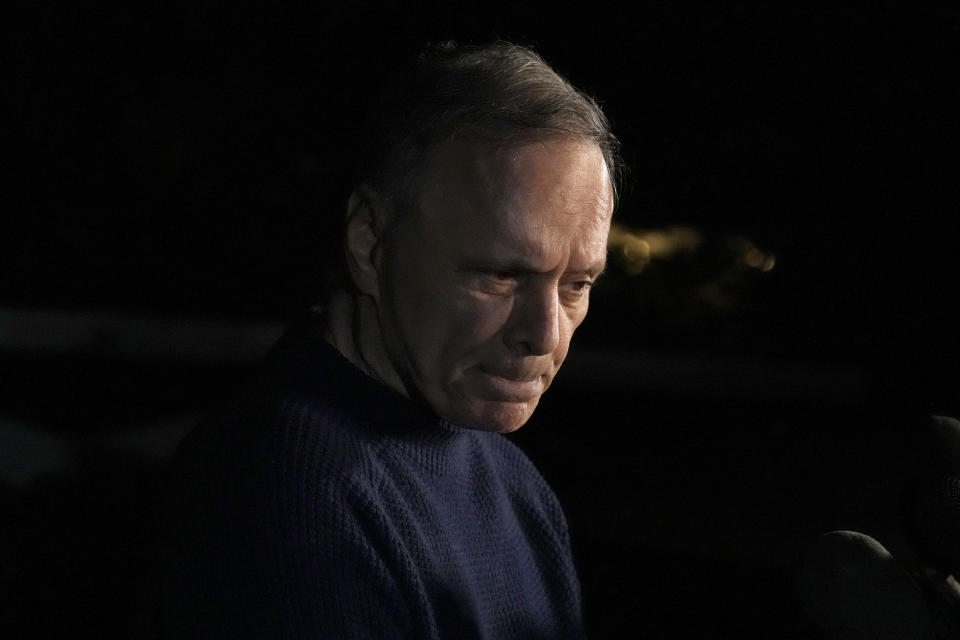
323 504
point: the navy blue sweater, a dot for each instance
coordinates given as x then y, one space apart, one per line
325 505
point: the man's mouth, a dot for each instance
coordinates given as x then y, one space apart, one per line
510 386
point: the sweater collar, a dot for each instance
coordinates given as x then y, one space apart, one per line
312 363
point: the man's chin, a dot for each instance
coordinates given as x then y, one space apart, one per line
496 416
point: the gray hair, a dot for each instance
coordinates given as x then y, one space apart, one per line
499 93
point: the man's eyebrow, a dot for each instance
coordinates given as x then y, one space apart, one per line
594 271
521 267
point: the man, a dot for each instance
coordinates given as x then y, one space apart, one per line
362 489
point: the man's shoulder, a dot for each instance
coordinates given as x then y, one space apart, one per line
321 439
273 443
517 472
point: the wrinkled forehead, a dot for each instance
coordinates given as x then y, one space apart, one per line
548 169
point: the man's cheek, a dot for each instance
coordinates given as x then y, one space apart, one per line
478 321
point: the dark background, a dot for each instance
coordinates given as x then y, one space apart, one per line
177 165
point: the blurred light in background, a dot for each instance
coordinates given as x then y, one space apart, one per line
688 288
634 249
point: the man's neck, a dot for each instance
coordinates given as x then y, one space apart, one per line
351 326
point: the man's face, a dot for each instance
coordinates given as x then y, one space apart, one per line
483 287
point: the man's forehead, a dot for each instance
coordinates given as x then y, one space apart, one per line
477 206
483 169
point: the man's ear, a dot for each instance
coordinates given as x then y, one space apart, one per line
366 219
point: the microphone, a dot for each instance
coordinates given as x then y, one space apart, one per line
937 522
852 587
935 525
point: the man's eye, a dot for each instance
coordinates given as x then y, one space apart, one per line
497 281
578 288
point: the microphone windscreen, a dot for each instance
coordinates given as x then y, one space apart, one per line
852 587
937 522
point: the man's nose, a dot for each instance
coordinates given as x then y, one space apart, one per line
534 327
